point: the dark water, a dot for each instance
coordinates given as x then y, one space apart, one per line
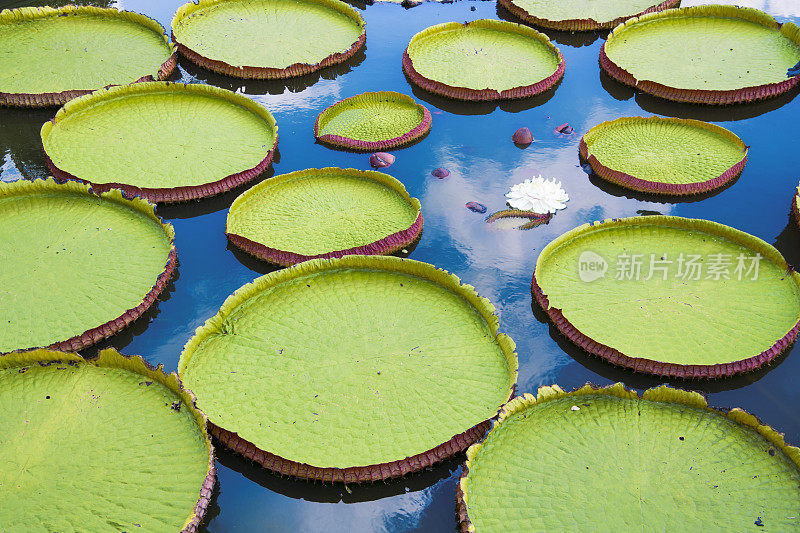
473 142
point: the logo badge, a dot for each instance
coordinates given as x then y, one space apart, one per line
591 266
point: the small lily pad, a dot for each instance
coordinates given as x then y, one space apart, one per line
664 155
664 461
481 60
517 219
328 212
373 121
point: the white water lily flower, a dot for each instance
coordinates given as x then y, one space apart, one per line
538 195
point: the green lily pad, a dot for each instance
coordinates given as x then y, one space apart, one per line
109 444
611 460
716 54
668 295
166 142
350 368
52 55
582 15
481 60
77 267
328 212
267 38
373 121
664 155
796 205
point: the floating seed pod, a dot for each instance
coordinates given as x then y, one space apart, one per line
676 465
440 173
522 136
476 207
719 54
564 130
238 37
381 160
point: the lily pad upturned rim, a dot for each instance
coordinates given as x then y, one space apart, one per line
534 219
660 368
103 331
387 245
658 187
111 358
703 96
796 206
269 73
164 194
579 24
60 98
464 93
660 394
355 144
369 473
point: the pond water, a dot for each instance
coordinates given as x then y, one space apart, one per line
474 143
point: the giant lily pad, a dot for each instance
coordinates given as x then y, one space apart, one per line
716 54
481 60
77 267
166 142
664 155
110 444
267 39
669 295
52 55
327 212
662 462
373 121
582 15
351 369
